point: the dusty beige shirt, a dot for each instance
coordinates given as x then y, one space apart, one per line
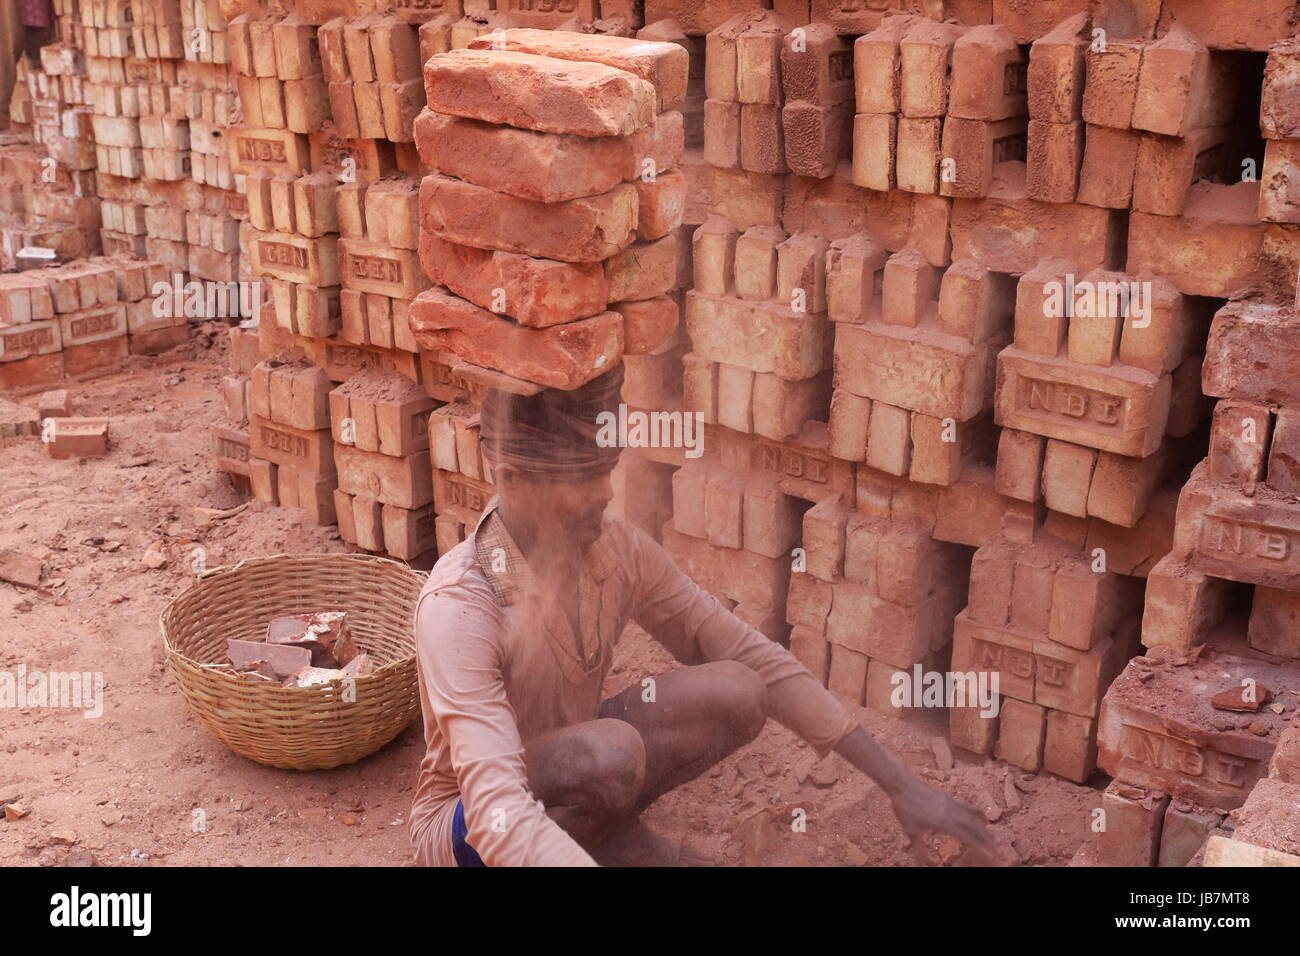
499 663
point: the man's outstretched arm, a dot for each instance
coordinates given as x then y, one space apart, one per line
691 622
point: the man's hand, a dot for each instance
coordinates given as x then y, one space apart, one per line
920 808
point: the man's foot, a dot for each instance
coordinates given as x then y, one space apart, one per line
637 845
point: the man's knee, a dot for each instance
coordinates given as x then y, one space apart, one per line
740 698
608 765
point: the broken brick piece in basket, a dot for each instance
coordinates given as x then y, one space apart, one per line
277 661
324 633
311 676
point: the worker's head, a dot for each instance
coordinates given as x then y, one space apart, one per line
551 473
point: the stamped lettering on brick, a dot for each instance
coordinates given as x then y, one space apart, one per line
283 254
234 450
464 495
254 150
93 324
1071 402
1246 540
785 461
292 445
1162 752
997 657
375 267
31 339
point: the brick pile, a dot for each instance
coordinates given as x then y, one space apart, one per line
959 283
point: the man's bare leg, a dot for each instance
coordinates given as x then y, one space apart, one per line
595 778
698 715
588 776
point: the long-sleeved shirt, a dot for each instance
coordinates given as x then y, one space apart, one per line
499 662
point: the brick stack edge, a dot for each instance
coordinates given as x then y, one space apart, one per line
839 257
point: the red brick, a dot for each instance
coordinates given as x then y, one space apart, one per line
553 96
1021 729
579 230
664 65
535 292
564 356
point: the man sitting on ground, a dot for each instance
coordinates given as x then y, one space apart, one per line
515 633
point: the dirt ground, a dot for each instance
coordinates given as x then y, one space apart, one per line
132 786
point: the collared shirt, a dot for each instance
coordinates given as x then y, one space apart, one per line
500 662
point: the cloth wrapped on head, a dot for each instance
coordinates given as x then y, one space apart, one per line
552 432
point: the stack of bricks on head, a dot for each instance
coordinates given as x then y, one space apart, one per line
987 309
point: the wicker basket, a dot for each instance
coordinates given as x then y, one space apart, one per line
298 728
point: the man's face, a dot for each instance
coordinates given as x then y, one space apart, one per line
566 511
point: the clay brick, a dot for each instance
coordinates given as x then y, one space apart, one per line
1182 605
563 356
816 137
724 509
847 677
660 203
988 75
854 278
379 269
875 146
910 289
664 65
1280 102
1040 328
404 482
925 51
936 451
553 96
1168 166
1122 487
1275 622
1182 86
1055 154
1117 409
76 438
758 63
722 133
543 166
1185 829
921 369
975 303
849 422
1110 160
812 651
756 262
877 67
970 729
579 230
1181 750
1020 464
535 292
714 256
1112 83
918 152
1057 66
295 258
762 139
762 337
1011 233
1070 747
781 408
297 449
1021 729
1279 196
771 521
889 444
1133 822
1239 441
646 269
801 272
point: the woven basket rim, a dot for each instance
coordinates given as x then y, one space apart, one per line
258 687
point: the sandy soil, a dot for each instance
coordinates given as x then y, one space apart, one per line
133 786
